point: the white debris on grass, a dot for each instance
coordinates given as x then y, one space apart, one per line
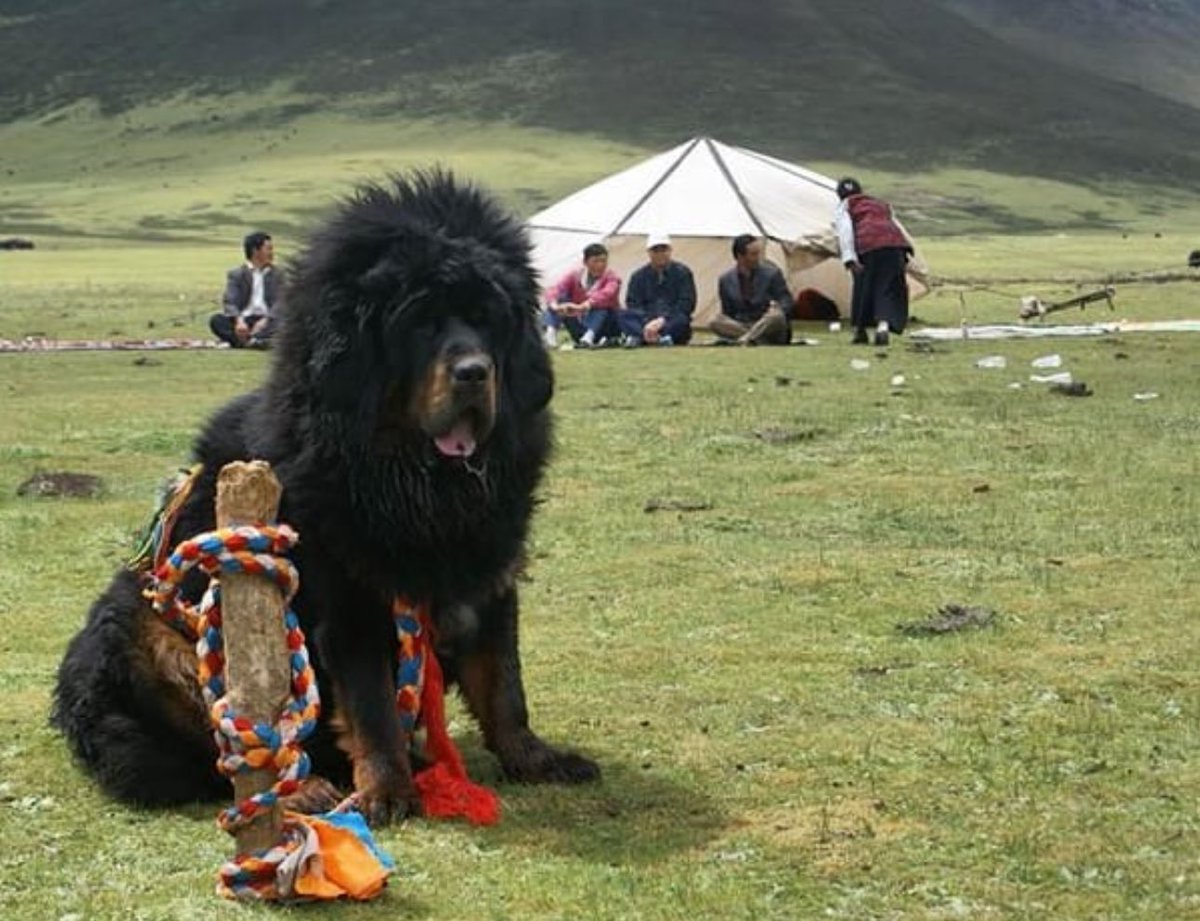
1047 361
1060 377
1037 331
992 361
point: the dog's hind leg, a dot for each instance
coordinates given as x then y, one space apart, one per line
134 763
129 704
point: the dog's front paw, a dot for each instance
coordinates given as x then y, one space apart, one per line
533 761
569 767
381 807
315 795
385 793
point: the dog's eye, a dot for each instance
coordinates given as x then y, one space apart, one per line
485 321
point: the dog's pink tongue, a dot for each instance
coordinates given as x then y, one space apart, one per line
458 442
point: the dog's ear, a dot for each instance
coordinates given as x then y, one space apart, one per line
341 355
531 377
338 377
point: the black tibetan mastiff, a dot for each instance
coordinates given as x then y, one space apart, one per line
406 417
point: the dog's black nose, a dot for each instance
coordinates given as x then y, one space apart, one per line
471 369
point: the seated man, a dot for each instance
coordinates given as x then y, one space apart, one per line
660 299
253 292
755 304
585 301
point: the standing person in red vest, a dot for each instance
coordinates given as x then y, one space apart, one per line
876 251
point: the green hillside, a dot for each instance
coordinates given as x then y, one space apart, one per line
1148 43
890 84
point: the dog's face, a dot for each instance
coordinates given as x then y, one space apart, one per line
418 331
446 391
455 403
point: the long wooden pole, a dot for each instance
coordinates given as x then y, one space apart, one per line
256 663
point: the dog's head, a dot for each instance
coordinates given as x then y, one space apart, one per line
455 403
410 323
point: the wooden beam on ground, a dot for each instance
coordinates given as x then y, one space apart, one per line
257 677
1036 307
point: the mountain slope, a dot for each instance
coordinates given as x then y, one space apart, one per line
1148 43
895 84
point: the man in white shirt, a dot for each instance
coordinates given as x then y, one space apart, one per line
252 297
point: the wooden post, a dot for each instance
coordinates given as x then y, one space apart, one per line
257 676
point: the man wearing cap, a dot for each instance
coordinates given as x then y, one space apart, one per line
755 304
876 251
660 299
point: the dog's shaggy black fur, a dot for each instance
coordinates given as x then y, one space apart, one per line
406 417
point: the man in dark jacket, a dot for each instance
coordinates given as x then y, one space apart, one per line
876 251
659 300
253 292
756 307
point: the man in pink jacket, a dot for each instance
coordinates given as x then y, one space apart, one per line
585 301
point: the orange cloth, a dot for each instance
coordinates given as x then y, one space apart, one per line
338 864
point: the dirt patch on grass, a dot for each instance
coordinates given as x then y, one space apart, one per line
833 834
62 484
950 618
676 505
779 436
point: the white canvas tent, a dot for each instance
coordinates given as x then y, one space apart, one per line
704 193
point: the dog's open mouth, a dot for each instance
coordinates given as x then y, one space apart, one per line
462 439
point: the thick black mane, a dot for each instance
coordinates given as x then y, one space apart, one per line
364 306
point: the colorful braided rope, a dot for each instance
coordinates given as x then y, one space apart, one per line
245 745
410 662
446 790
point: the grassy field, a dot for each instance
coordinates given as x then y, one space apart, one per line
773 747
136 218
138 290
